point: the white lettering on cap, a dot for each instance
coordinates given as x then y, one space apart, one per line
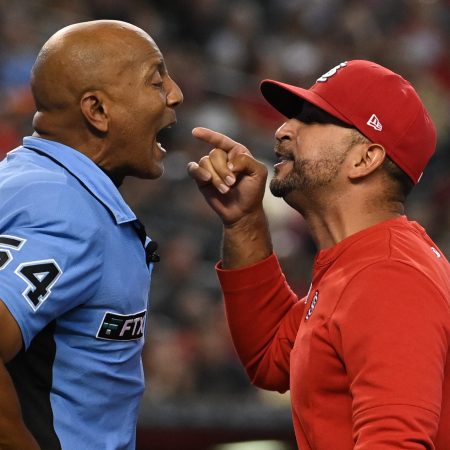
331 72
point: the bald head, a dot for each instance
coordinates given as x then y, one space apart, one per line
85 56
103 88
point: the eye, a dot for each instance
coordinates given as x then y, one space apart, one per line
157 83
155 80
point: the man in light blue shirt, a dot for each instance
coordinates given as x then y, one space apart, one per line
75 262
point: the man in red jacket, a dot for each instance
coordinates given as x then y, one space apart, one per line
366 352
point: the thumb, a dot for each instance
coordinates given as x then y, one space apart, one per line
245 164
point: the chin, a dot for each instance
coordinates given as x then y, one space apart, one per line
278 187
155 172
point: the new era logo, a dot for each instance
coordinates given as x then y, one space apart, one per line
375 123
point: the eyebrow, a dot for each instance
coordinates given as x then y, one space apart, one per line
160 67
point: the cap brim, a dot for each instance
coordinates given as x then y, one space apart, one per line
288 99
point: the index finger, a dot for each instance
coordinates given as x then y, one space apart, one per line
218 140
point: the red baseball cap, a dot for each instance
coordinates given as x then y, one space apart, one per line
381 104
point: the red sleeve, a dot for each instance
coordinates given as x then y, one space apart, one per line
392 328
263 315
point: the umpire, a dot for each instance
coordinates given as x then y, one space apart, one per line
75 264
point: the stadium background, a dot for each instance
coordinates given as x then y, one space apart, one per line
218 50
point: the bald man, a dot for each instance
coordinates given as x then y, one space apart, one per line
75 263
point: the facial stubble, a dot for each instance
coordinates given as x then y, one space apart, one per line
307 176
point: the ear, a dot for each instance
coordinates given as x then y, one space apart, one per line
95 111
365 160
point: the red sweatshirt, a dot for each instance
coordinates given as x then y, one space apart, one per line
366 354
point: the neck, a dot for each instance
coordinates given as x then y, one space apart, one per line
90 148
117 179
328 231
334 220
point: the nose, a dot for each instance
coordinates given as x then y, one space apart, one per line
285 131
174 94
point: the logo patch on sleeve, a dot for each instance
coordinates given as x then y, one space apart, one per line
313 305
117 327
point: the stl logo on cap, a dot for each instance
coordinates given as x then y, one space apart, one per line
331 72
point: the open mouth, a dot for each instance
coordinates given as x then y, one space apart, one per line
164 136
282 157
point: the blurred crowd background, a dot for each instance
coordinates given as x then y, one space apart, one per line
218 51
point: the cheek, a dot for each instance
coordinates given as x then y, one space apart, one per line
150 122
128 126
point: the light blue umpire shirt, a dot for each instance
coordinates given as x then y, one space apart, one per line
74 275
